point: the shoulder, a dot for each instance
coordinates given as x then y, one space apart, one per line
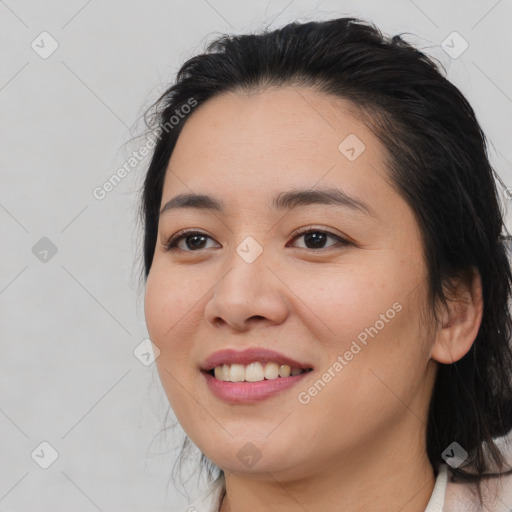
463 496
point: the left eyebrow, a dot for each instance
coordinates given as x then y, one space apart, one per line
296 198
284 200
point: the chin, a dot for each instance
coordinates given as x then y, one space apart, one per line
247 457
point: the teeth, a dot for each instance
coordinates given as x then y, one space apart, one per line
271 371
237 373
254 372
284 370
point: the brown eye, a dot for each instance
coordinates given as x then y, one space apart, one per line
317 239
193 241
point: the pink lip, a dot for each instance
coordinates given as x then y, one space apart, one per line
250 392
248 356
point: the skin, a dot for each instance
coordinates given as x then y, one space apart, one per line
359 444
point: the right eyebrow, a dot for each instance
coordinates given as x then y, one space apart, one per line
199 201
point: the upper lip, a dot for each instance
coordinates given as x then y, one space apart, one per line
250 355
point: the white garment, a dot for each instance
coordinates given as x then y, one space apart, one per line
210 500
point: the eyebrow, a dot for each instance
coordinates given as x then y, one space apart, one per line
282 201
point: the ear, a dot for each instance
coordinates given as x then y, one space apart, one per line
461 319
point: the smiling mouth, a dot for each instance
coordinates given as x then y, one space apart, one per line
254 372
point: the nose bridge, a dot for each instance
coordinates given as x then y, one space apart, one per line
247 266
247 288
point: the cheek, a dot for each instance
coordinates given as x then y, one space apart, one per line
370 316
167 303
346 300
168 307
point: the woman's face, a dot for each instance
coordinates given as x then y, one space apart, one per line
346 300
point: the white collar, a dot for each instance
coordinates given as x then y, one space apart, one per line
436 502
210 500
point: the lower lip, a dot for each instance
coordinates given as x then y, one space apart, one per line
250 392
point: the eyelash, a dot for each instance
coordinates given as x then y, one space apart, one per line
171 244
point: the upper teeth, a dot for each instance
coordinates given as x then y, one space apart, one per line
254 372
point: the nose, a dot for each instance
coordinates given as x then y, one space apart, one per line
248 294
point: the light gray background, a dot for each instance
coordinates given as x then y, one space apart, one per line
70 325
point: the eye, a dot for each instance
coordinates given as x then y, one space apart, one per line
193 240
315 238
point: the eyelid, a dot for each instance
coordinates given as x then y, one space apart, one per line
171 242
341 239
179 235
314 228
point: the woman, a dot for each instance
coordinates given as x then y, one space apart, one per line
326 275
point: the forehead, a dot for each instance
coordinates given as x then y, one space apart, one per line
244 122
270 140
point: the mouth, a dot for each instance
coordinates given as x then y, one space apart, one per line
251 375
255 372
